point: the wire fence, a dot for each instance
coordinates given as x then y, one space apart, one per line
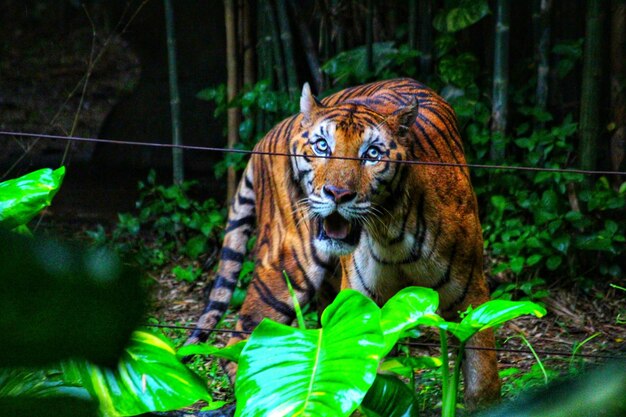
610 356
285 154
616 356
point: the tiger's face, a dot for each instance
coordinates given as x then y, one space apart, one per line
344 196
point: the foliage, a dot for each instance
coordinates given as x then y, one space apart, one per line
149 377
330 370
178 225
350 67
60 302
299 367
23 198
389 397
460 14
537 225
261 108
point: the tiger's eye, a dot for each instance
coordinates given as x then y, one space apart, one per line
373 153
321 146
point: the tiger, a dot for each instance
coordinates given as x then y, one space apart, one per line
337 204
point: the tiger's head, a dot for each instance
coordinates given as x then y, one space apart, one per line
346 195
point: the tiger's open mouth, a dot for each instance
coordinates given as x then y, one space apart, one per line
336 227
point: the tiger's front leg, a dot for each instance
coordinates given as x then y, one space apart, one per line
480 367
268 295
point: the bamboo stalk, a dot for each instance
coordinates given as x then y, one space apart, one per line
369 36
310 50
543 53
425 15
247 44
287 44
500 80
590 97
340 35
177 152
279 61
618 85
230 16
412 29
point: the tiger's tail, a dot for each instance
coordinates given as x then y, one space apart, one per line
241 219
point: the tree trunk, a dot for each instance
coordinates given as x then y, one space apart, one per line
543 53
177 152
287 43
247 44
589 102
425 13
500 80
309 48
618 86
230 18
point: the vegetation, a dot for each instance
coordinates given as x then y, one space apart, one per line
355 336
540 227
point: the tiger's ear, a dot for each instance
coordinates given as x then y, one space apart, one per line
309 106
402 119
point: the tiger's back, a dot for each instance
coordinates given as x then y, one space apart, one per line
367 220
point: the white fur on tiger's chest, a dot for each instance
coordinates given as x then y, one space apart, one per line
381 270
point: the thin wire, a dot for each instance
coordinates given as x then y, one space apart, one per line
170 326
255 152
414 344
542 352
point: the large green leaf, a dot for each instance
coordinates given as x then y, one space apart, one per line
496 312
23 198
57 301
389 397
149 377
462 14
404 310
324 372
487 315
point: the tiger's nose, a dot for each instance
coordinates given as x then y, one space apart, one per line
339 195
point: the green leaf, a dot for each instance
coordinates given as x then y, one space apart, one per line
403 311
189 274
461 15
323 372
517 264
58 301
404 366
196 246
554 262
390 397
561 243
534 259
494 313
232 352
148 378
23 198
593 242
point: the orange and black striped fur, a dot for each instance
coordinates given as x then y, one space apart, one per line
372 225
